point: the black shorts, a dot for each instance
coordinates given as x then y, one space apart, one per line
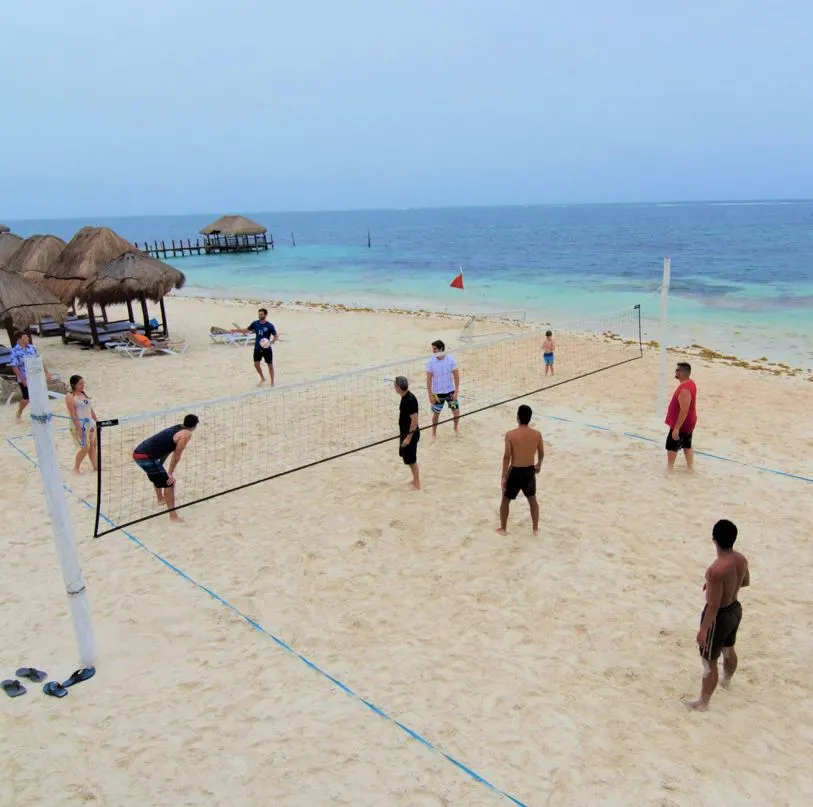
266 353
23 390
409 453
520 479
723 632
684 441
156 473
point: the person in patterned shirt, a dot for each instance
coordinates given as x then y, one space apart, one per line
22 349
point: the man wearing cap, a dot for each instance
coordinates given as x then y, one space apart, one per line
408 430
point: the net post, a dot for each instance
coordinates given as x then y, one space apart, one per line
98 513
667 274
58 510
640 332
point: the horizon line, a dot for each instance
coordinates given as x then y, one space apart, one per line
664 202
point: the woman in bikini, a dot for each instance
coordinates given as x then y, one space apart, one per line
84 422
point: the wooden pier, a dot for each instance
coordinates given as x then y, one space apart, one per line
209 246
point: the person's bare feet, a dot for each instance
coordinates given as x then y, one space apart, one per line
414 486
536 530
77 472
501 531
725 681
175 518
695 705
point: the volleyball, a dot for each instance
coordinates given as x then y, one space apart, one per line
264 343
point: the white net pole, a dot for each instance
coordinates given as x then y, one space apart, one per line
664 336
58 510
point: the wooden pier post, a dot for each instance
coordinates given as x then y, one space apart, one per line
368 238
173 248
164 247
293 240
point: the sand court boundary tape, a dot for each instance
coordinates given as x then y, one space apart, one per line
281 643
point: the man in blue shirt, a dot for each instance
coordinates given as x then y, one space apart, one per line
265 336
22 349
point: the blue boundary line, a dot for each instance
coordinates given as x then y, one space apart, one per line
284 645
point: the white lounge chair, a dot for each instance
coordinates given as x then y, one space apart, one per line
131 348
223 337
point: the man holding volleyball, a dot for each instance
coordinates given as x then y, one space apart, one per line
265 335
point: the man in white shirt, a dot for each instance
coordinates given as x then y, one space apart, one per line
442 384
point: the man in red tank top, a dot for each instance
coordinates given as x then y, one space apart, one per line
681 417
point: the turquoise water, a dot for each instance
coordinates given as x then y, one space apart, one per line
742 273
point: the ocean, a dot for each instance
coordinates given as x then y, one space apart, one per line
742 272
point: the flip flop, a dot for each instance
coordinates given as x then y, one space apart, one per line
13 688
32 674
79 676
55 689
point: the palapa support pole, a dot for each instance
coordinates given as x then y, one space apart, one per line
164 316
147 328
94 331
61 524
104 313
130 311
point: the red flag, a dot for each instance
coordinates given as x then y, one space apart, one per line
457 283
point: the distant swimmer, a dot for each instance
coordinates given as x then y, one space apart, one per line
520 467
681 417
442 384
548 348
151 454
265 334
722 613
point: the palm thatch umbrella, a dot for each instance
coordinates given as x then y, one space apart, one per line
36 256
9 244
134 276
82 259
22 303
233 225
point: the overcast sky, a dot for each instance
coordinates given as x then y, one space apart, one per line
125 107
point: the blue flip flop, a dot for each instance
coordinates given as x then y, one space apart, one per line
32 674
13 688
79 676
55 689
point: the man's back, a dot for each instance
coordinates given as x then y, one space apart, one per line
524 443
731 570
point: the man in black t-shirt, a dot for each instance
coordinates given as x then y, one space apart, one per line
265 334
408 429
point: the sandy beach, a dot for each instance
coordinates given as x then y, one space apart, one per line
551 666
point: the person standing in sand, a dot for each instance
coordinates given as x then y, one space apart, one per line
408 429
722 613
150 455
443 385
681 417
548 348
84 420
265 335
519 467
22 349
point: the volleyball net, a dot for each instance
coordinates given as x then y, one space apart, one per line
252 438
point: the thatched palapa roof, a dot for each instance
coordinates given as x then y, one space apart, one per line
87 253
36 256
22 303
9 244
3 228
233 225
130 277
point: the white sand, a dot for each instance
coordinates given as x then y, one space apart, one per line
551 666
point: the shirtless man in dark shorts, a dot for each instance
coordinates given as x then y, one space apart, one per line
722 613
519 467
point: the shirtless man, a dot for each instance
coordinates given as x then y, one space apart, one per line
722 614
548 346
151 454
518 468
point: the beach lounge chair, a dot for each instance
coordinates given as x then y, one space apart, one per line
135 350
224 337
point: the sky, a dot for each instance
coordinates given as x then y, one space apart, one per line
135 108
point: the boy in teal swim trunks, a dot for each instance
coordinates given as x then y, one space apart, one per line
548 347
